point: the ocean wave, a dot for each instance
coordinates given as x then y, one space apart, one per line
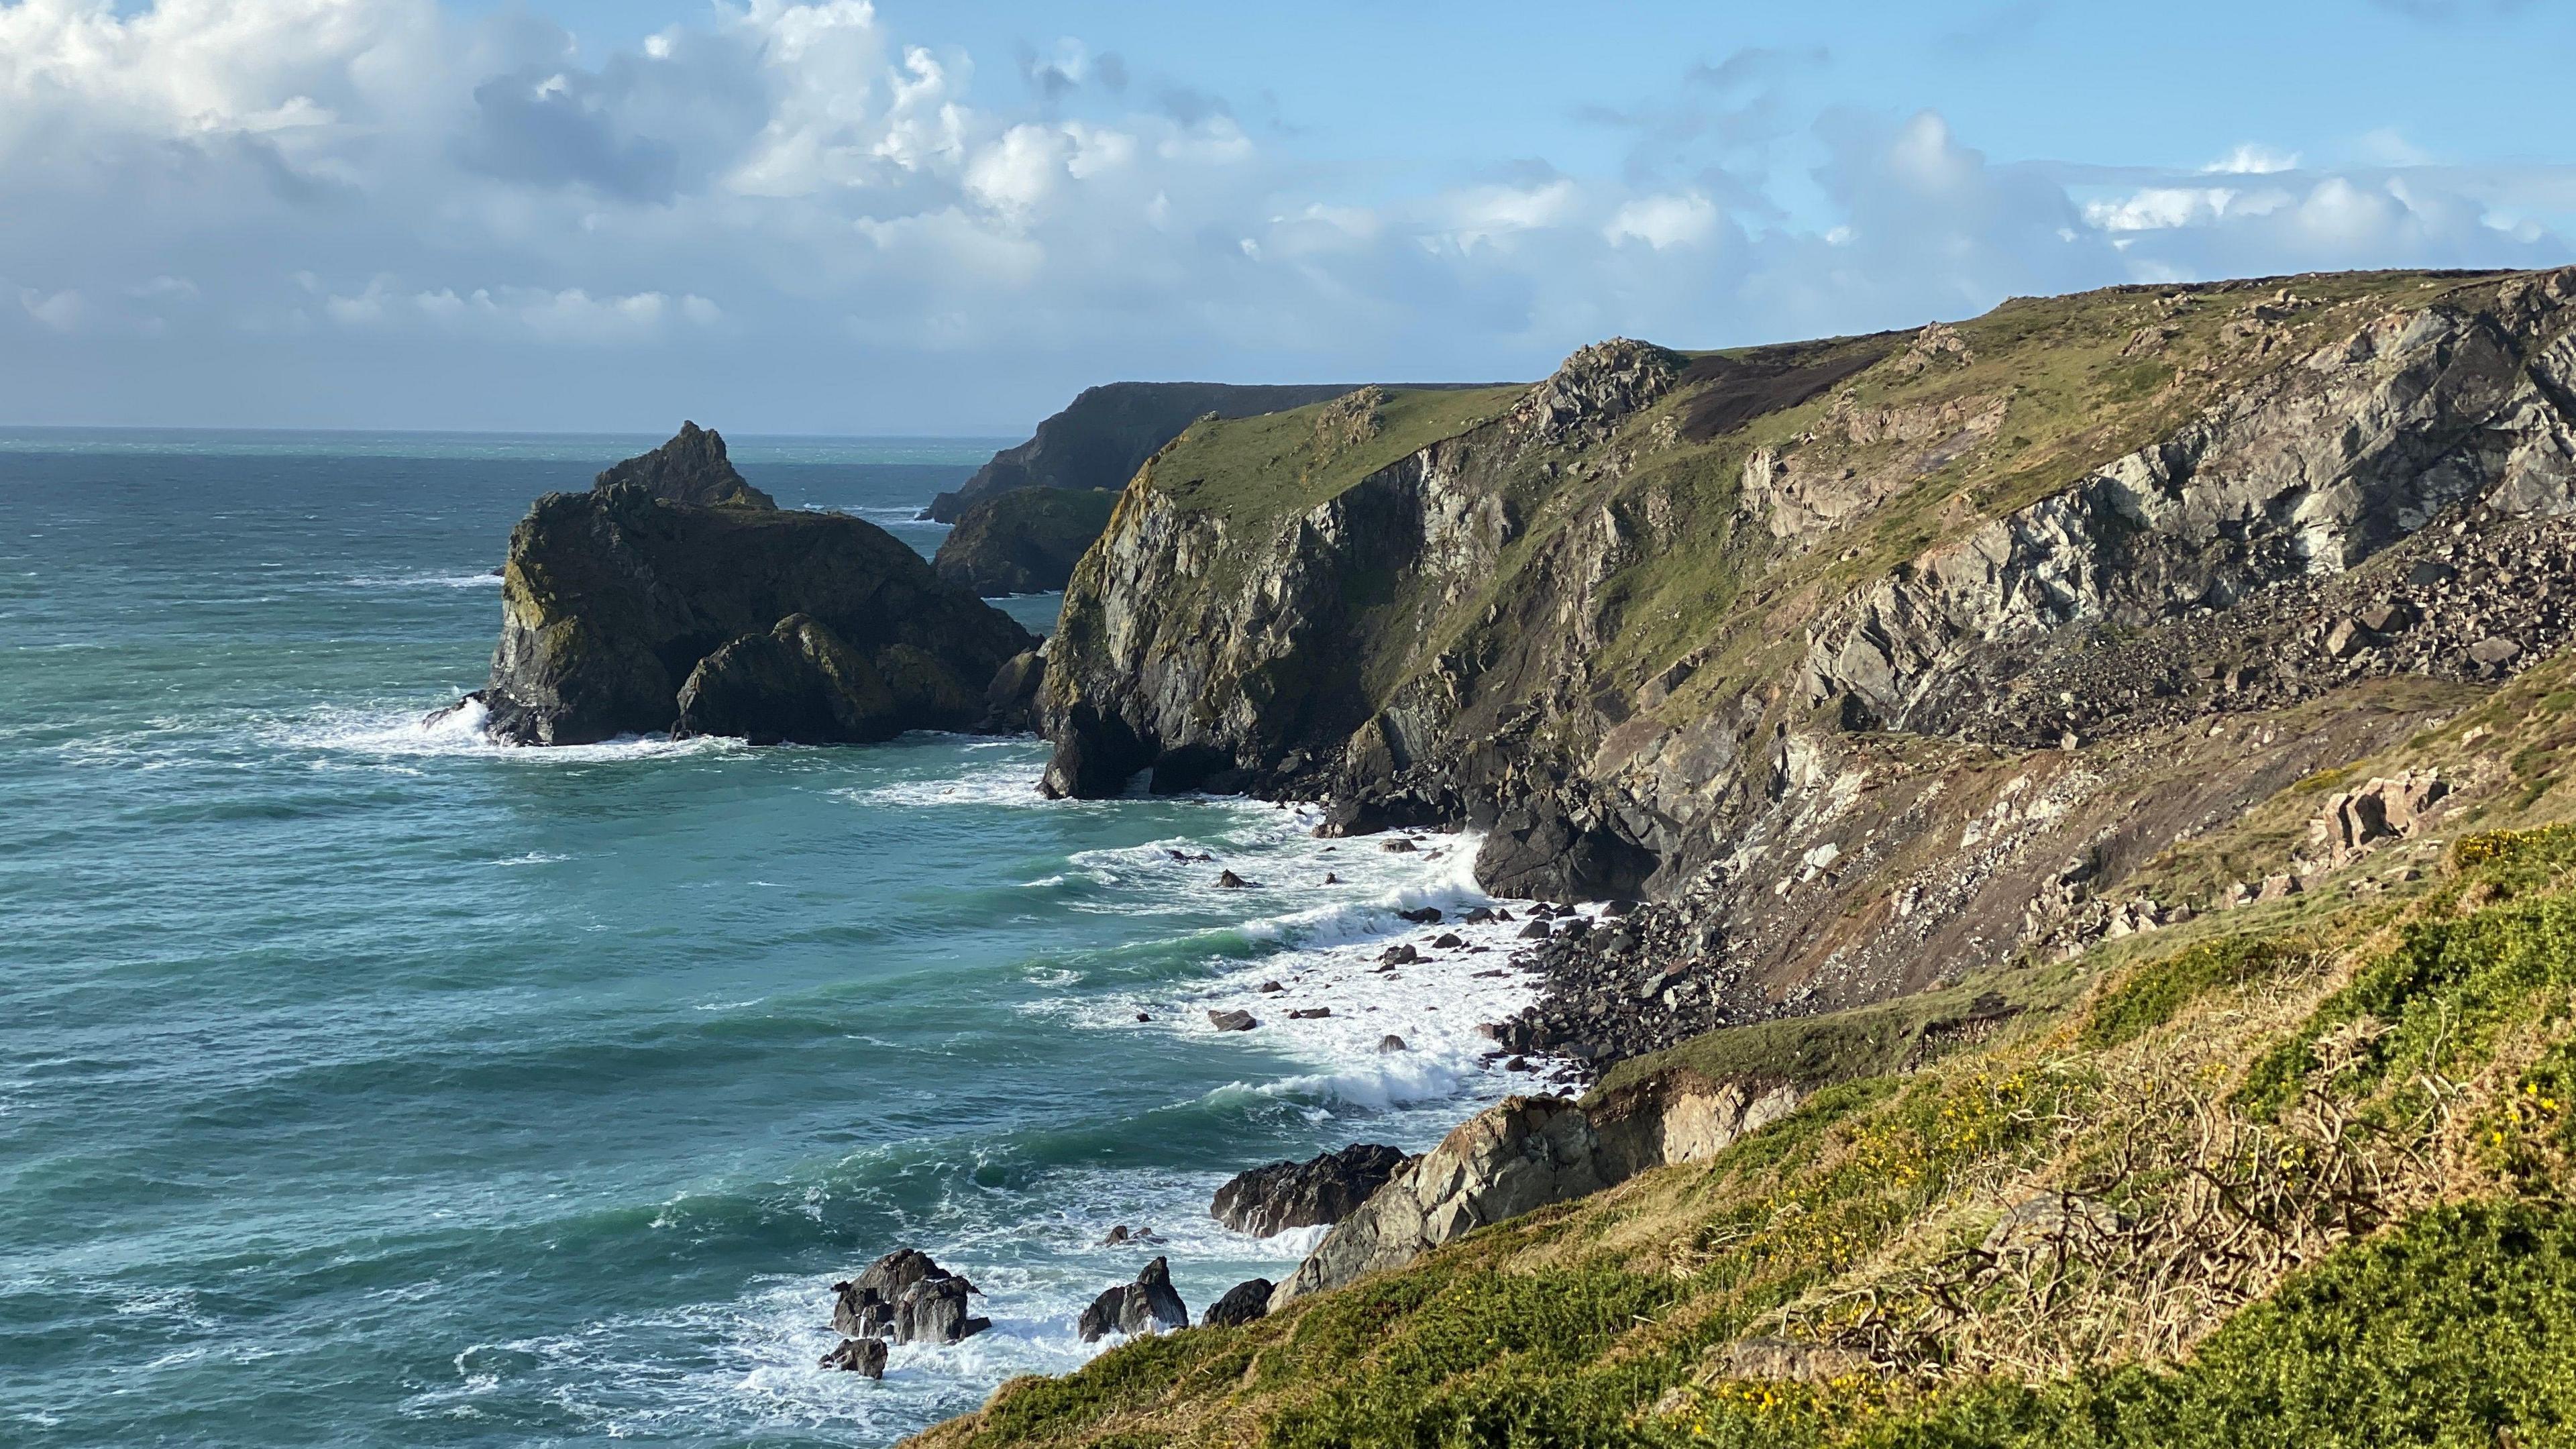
484 580
387 734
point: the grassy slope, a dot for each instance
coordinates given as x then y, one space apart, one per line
2381 1071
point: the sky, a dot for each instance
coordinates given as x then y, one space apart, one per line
923 218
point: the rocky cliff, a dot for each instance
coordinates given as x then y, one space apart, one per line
630 610
1101 436
1867 662
1023 542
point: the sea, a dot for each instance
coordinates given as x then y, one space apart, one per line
365 1083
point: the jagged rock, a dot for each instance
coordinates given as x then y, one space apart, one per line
1390 1043
1424 916
1101 1319
1310 1013
612 600
1148 1305
1124 1234
1526 1153
906 1295
691 468
1245 1302
866 1356
1025 541
2383 809
1227 880
1322 1189
1232 1020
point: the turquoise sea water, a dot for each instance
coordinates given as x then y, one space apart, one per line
362 1083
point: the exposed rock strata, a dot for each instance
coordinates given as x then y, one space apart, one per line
1524 1154
626 614
1843 714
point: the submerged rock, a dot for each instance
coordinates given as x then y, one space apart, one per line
865 1356
1323 1189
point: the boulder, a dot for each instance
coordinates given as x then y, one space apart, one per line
612 600
1013 692
692 469
2383 809
1323 1189
1425 916
859 1356
1232 1020
1148 1305
1390 1044
799 683
1243 1303
906 1295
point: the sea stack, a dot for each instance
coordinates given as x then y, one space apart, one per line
674 597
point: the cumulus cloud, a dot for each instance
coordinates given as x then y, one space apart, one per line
789 210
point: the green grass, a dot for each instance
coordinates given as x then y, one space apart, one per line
1264 467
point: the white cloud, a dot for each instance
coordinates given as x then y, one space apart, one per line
2254 159
1661 221
381 184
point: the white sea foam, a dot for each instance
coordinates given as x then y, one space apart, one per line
384 735
484 580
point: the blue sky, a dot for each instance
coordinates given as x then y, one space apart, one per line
910 217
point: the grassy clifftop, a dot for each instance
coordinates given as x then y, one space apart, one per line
2292 1173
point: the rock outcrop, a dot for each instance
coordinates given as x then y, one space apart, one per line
1148 1305
1025 541
1102 436
1836 654
623 613
903 1296
1324 1189
1526 1153
691 468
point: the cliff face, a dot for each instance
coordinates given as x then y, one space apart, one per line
1023 542
1867 661
624 613
1101 436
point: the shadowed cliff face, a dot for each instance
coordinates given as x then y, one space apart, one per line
1023 542
1849 655
1101 436
624 613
